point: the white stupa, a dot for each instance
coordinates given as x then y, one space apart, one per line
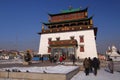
113 53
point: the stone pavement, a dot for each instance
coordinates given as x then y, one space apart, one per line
101 75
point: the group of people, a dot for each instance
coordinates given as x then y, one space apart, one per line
91 65
61 58
27 57
54 59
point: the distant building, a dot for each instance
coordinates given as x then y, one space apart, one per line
69 32
113 53
101 57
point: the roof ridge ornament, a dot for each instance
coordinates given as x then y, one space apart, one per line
42 26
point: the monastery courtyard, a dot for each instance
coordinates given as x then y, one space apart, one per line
13 63
102 73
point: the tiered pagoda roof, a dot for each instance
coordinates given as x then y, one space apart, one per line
68 20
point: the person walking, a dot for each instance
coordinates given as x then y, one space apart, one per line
111 65
61 59
73 59
90 61
98 63
86 66
95 64
51 58
41 58
55 59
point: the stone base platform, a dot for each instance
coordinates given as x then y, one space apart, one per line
38 76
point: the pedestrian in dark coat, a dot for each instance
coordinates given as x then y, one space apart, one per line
90 61
95 65
55 59
51 58
111 65
86 65
41 58
73 59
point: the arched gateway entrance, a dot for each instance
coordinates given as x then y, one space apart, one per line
63 47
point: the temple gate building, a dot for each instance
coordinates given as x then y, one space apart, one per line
69 32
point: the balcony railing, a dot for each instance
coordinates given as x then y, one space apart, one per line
65 29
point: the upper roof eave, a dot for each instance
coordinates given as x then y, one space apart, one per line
68 12
94 28
67 21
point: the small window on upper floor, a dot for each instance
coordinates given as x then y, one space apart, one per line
82 48
58 38
72 37
81 38
49 39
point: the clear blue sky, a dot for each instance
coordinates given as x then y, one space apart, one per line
20 21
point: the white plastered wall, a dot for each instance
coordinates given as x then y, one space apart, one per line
89 42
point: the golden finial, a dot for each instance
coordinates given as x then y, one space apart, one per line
42 26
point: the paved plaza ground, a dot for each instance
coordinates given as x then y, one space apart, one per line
103 74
